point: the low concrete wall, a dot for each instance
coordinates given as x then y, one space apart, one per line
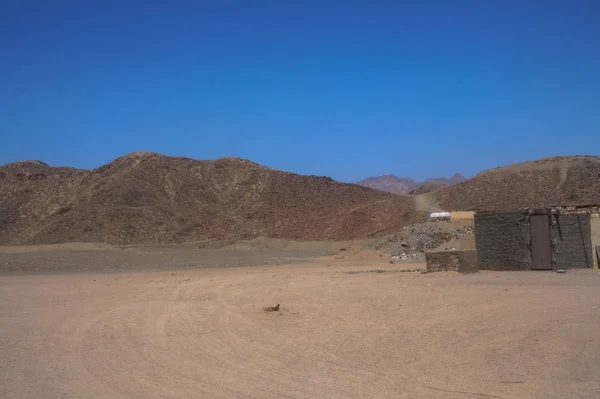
441 261
462 216
459 261
468 261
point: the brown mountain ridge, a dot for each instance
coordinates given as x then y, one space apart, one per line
148 198
565 180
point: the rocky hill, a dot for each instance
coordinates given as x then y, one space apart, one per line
390 184
147 198
404 185
427 188
573 180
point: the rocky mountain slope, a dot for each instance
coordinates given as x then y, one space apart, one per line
573 180
427 188
147 198
403 185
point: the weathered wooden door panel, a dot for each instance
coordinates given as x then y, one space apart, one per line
541 252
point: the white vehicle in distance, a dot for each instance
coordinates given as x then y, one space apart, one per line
437 216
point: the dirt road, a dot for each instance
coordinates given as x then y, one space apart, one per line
426 202
203 334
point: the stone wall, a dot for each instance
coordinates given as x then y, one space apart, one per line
595 226
572 243
459 261
502 240
441 261
468 261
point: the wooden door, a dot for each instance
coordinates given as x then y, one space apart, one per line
541 250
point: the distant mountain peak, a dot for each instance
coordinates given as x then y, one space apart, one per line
405 185
445 181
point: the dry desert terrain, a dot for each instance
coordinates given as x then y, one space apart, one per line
350 325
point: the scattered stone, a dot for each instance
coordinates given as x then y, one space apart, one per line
412 242
384 271
560 270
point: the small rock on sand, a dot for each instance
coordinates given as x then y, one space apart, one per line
271 308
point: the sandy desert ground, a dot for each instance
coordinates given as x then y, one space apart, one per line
348 327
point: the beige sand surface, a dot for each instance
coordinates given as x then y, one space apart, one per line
201 333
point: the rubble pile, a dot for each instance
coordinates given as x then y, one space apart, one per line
412 242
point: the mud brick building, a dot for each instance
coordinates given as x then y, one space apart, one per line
538 239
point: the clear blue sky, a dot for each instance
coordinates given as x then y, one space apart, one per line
347 89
